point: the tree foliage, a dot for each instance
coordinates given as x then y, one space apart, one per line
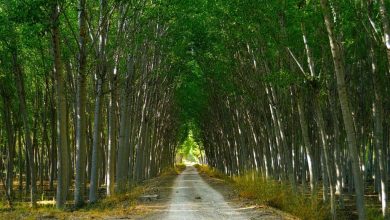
257 85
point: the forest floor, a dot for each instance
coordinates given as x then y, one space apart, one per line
187 195
126 206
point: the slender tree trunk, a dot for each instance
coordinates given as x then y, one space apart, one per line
10 142
20 156
62 145
386 29
324 144
307 143
81 118
378 133
124 126
112 133
345 108
337 146
53 148
3 182
100 75
93 185
328 171
27 133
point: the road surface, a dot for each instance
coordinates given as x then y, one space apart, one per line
194 199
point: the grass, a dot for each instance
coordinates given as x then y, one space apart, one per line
115 205
272 193
180 167
211 172
374 214
280 196
176 170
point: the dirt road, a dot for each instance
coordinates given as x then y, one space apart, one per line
192 198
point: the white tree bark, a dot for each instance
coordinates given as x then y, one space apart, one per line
345 108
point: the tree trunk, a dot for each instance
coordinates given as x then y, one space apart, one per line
62 144
93 185
337 146
386 29
10 142
345 108
27 133
100 75
19 135
377 111
124 126
112 133
324 144
81 101
306 141
53 148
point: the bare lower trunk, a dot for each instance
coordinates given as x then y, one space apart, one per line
124 126
327 169
93 185
10 143
112 135
81 143
20 163
62 146
306 140
27 133
81 99
338 150
377 111
325 146
53 148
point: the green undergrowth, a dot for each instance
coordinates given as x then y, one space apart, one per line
180 167
374 213
115 205
280 196
272 193
211 172
176 170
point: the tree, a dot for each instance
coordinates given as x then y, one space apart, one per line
346 112
81 102
23 110
62 146
101 70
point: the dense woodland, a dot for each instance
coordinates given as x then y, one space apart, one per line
97 96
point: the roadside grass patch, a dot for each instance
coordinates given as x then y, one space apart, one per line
211 172
118 204
272 193
127 199
114 205
180 167
176 170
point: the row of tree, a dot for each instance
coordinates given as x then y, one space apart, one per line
86 98
296 90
